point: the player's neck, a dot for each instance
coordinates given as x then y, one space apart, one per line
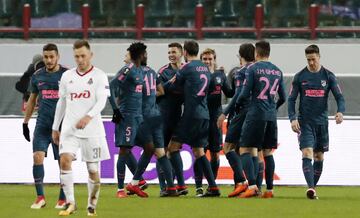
84 70
176 65
192 58
314 71
55 69
262 59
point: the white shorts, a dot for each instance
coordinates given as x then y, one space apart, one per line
92 149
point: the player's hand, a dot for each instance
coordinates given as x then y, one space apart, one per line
117 116
83 122
55 137
221 120
172 80
26 132
339 117
295 126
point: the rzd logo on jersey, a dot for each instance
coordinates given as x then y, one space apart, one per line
84 94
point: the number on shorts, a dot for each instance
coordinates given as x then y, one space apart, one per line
273 90
202 90
96 153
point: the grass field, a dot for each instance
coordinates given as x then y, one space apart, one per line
15 201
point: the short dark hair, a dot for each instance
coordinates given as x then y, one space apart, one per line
262 48
81 43
312 49
136 49
191 47
175 44
247 51
50 47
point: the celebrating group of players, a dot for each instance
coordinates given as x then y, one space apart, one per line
181 104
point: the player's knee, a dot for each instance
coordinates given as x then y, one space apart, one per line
92 167
267 152
227 147
159 152
307 153
38 157
198 152
65 161
124 150
318 156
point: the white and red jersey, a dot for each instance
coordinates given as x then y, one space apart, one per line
83 93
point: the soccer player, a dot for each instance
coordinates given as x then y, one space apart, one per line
170 106
82 96
313 83
232 139
218 84
126 101
44 89
150 135
192 129
263 82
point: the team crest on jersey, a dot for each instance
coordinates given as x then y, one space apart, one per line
323 83
218 80
90 81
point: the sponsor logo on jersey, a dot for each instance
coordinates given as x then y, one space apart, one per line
84 94
90 81
315 93
49 94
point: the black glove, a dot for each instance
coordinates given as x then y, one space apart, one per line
26 132
116 118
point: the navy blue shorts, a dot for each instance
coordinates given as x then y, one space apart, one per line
193 132
259 134
215 136
151 131
314 136
42 139
126 130
170 122
234 130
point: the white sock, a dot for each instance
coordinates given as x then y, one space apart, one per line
93 192
67 183
134 182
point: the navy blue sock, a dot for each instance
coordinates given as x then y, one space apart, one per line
120 166
198 173
38 174
177 164
318 167
260 175
236 166
248 167
166 168
141 166
161 175
308 171
255 161
215 167
269 171
205 164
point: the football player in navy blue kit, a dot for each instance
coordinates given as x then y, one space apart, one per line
44 89
313 84
126 89
264 81
218 84
170 105
192 129
232 139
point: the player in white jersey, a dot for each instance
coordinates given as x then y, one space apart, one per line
83 92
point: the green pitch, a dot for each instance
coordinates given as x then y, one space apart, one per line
15 201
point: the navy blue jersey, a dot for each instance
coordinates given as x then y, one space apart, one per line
263 82
218 83
46 85
314 91
149 106
194 77
173 99
127 86
239 79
